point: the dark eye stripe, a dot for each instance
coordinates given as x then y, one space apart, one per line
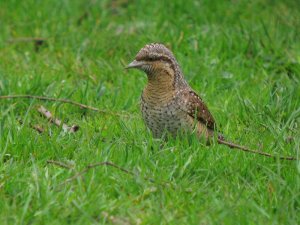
151 59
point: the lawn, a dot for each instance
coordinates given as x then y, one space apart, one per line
242 57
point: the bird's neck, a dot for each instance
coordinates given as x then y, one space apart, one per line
160 88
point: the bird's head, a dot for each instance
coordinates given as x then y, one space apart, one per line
155 59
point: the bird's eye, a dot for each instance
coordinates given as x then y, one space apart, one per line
151 58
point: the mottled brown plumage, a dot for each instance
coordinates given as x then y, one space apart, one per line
168 103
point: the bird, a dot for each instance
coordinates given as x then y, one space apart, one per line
168 103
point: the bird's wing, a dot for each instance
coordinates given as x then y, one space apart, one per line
195 107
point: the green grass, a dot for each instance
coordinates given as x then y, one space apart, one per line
242 57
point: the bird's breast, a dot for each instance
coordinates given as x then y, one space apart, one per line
165 116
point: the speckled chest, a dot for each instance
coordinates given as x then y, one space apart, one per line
160 118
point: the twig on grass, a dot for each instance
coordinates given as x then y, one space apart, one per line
82 106
57 122
245 149
36 127
92 166
60 164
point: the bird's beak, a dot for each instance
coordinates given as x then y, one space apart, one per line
134 64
